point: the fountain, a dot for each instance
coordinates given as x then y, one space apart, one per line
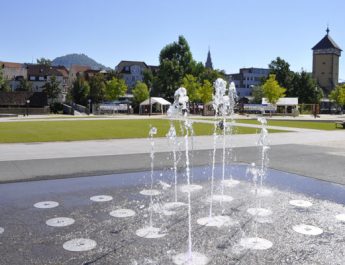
150 231
256 242
175 112
101 198
221 105
229 127
180 108
60 221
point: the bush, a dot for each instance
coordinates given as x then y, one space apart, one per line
56 108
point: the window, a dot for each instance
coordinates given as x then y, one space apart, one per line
32 78
41 78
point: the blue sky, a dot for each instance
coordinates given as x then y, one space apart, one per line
240 33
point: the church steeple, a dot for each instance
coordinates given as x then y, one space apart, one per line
208 63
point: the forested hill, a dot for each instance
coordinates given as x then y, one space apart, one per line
81 59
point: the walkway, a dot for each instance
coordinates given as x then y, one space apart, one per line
49 150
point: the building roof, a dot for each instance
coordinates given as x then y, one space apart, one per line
63 70
123 64
326 43
42 70
254 69
91 71
76 68
154 100
11 65
154 68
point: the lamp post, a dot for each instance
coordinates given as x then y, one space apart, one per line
89 100
150 106
27 107
316 104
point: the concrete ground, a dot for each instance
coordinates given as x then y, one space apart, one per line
317 154
72 172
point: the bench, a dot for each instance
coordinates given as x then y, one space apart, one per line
341 123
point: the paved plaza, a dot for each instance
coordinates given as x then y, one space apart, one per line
83 183
295 151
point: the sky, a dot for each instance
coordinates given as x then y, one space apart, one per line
239 33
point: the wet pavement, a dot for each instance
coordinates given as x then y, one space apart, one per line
27 239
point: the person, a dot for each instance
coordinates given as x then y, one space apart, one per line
315 111
221 125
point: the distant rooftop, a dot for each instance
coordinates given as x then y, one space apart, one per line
123 64
11 65
44 70
326 43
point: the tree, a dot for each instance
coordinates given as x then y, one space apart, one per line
80 91
24 85
140 92
44 61
210 75
52 89
338 95
258 94
272 90
149 77
205 92
4 84
306 89
175 61
115 88
193 86
97 88
281 69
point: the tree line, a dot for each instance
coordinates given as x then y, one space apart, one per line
178 68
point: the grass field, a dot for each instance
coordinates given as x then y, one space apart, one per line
51 131
295 124
317 125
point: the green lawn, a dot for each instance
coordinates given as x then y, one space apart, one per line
295 124
50 131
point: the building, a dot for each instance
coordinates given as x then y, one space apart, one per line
77 70
14 72
23 103
248 78
133 71
208 63
326 55
39 75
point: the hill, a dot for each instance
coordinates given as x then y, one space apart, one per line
81 59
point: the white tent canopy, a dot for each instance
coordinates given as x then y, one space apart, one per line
283 101
161 105
154 100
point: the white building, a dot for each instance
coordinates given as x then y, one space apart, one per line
13 72
39 75
248 78
132 71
